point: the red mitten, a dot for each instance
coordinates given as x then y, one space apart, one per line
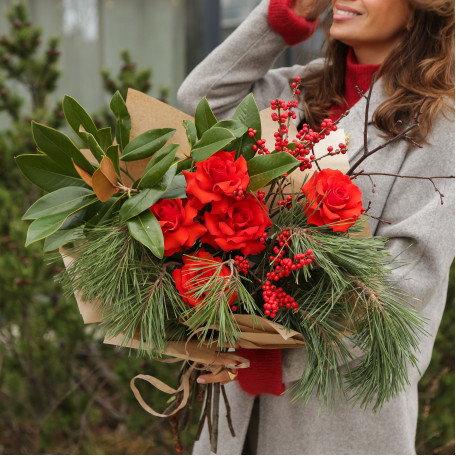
285 21
264 376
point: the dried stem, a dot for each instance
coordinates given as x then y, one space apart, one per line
430 179
228 411
215 417
403 135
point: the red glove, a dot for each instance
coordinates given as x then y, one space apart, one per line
264 376
285 21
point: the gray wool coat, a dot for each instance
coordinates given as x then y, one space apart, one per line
420 227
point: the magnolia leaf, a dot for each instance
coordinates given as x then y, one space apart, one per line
248 114
108 170
95 148
123 120
237 128
102 186
105 138
86 177
105 212
146 144
54 220
62 237
76 117
177 188
45 173
264 168
158 166
67 199
191 132
204 117
113 153
59 147
146 229
44 227
212 141
80 217
147 197
184 165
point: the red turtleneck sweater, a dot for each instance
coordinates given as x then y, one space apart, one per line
264 376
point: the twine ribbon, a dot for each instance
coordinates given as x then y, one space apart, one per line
214 367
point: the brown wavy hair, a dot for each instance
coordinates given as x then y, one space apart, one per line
422 64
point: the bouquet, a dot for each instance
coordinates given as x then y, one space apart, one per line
188 237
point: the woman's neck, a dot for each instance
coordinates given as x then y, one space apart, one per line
367 55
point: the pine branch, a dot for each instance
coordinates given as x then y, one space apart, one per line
133 292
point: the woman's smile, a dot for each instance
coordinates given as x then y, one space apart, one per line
344 13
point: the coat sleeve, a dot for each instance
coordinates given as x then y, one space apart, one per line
420 237
240 65
421 232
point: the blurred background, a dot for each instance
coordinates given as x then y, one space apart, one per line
61 390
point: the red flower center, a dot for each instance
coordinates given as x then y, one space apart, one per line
170 213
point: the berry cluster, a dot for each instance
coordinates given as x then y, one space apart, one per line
307 138
295 84
260 145
284 266
342 149
274 297
286 202
260 195
239 194
284 112
242 264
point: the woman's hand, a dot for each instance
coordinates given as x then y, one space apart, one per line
310 9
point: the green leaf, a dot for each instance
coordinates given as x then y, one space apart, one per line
44 227
177 188
191 131
184 165
62 237
59 147
264 168
204 117
146 144
112 152
211 142
123 120
158 165
105 138
146 198
248 114
76 116
146 229
105 212
237 128
46 174
94 147
67 199
82 216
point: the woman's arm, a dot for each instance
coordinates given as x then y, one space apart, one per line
241 64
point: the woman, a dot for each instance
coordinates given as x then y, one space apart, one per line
410 44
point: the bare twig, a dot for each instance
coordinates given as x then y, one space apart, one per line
215 417
430 179
403 135
228 411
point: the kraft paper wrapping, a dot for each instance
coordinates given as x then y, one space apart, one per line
148 113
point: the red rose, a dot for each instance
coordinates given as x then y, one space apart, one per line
217 176
177 220
237 225
186 276
332 197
